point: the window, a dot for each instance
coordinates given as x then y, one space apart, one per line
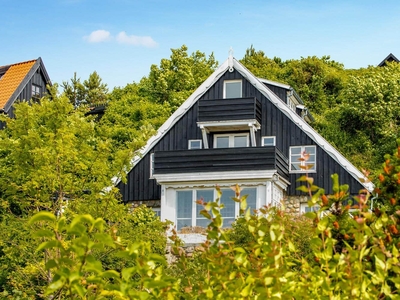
194 144
268 141
188 212
303 159
157 211
151 165
35 91
232 89
231 140
304 208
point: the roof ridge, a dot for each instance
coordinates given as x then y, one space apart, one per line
19 63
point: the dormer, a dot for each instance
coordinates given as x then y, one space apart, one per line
232 113
289 96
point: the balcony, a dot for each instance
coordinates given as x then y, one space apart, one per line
235 109
221 160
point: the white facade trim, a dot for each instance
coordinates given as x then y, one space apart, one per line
215 177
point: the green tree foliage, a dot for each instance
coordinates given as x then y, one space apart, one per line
129 115
262 66
176 78
370 108
91 92
318 81
54 158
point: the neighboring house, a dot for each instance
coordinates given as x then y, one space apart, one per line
234 129
22 82
389 58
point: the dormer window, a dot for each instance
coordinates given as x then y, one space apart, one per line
232 89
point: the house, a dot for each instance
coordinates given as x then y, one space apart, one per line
389 58
22 82
234 129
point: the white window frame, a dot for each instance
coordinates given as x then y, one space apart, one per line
151 165
233 81
36 91
231 138
194 204
273 138
191 141
303 163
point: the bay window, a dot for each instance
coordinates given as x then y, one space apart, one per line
188 211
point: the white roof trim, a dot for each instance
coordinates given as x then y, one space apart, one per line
279 84
258 83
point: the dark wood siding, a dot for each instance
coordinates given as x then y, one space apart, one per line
279 91
274 123
139 185
227 159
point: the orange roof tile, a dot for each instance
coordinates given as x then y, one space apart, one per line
12 79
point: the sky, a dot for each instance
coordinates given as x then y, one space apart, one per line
121 39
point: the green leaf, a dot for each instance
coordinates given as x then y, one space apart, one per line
43 216
110 274
311 215
243 204
51 264
43 233
48 245
303 188
55 285
246 291
80 290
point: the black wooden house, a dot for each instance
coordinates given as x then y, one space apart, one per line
234 129
22 81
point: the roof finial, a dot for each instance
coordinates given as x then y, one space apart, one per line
230 60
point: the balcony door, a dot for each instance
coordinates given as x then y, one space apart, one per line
231 140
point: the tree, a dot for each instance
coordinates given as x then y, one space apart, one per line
91 92
176 78
130 115
55 159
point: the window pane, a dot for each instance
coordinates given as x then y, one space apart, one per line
222 142
184 204
206 196
228 212
251 197
195 144
295 166
310 149
233 89
295 150
180 223
240 141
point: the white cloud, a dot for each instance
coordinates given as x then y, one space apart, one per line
146 41
98 36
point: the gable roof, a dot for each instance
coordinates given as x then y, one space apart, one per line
13 79
232 64
388 58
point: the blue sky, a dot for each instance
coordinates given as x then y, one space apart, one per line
121 39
